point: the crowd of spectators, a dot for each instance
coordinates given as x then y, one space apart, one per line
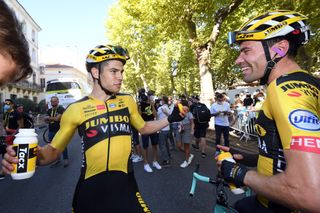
189 132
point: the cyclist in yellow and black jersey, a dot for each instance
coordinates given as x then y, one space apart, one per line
288 171
103 120
104 128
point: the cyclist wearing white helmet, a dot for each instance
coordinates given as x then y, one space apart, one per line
288 170
103 120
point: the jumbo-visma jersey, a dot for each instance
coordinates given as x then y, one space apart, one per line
105 129
289 119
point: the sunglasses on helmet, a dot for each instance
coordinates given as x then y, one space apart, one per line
119 50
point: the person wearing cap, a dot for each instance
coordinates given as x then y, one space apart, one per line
221 110
103 120
200 128
288 170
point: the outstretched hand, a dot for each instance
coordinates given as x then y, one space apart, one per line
177 115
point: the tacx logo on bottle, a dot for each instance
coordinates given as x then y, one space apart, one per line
304 119
23 154
26 154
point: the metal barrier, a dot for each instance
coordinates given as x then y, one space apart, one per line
242 122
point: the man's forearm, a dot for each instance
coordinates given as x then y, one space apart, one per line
278 189
153 126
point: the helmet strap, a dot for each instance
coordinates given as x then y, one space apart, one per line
106 91
270 63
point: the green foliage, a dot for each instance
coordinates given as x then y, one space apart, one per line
162 36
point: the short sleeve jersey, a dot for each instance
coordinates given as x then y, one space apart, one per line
289 119
54 126
146 111
105 129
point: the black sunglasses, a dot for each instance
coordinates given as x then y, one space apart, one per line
120 51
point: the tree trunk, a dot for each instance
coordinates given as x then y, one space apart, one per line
206 86
203 51
136 64
145 84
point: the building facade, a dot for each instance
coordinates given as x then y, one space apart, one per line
30 88
55 71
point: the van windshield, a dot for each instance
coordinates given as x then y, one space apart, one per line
62 86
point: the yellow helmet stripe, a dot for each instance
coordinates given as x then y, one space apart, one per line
106 57
99 50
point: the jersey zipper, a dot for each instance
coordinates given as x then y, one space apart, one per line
109 136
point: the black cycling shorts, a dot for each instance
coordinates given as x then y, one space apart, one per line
112 192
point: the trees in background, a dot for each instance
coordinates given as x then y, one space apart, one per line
178 46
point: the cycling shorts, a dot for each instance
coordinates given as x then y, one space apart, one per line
114 192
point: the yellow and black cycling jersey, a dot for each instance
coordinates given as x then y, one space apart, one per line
289 119
105 129
107 182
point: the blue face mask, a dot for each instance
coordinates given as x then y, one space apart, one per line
6 108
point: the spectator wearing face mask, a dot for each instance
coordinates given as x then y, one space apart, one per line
12 119
221 110
258 103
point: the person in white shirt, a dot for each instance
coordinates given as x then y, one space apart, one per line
221 110
164 133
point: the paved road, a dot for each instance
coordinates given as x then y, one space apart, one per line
50 190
